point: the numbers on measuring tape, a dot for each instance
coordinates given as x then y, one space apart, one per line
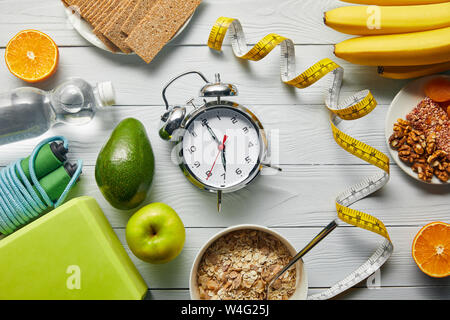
355 107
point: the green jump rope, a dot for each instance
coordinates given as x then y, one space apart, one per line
30 187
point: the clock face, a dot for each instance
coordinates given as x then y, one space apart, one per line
222 147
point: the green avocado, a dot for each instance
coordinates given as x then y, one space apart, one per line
125 165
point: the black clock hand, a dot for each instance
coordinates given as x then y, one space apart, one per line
212 133
224 160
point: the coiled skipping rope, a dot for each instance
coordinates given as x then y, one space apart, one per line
19 202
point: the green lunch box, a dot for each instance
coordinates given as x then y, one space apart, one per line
69 253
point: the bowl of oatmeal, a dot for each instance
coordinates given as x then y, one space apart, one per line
238 262
417 132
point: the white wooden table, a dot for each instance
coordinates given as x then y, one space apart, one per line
297 202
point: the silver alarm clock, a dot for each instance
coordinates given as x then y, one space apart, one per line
221 145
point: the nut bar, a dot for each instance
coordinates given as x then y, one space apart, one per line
429 117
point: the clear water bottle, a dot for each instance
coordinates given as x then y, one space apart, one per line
29 112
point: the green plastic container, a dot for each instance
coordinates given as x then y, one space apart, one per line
70 253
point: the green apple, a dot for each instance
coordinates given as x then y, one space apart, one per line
155 233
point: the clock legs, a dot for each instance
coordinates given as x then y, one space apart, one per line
219 201
268 165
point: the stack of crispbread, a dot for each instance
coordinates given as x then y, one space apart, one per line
141 26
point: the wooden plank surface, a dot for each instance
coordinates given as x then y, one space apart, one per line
300 20
299 196
338 255
290 129
296 202
258 83
383 293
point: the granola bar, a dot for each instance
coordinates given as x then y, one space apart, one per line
429 117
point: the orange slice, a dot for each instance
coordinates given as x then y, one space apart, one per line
431 249
32 56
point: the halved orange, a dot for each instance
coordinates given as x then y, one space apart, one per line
431 249
32 56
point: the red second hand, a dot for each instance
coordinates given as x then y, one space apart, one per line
220 150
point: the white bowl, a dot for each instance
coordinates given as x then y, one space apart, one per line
302 279
405 100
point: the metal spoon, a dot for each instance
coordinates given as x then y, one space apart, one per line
326 231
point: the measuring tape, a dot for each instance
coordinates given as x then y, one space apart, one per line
354 107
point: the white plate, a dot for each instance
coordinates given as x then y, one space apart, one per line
85 30
403 103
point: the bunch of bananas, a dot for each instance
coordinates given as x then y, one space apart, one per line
404 38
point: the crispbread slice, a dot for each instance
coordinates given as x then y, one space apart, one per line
99 15
141 9
85 4
103 17
79 6
113 15
97 7
111 46
91 7
159 26
107 14
98 19
113 29
84 8
74 3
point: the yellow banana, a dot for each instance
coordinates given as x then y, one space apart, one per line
405 49
408 72
367 20
394 2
